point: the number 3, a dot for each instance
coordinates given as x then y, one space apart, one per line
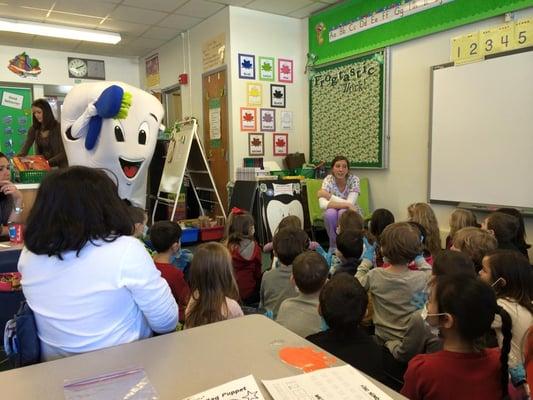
488 45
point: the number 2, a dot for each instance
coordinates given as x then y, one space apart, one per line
473 49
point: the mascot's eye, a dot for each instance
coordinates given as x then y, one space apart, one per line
118 134
142 136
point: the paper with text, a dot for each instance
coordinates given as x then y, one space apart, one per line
338 383
240 389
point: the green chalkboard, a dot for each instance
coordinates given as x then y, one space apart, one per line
449 14
347 107
15 118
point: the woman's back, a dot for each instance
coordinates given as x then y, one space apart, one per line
110 294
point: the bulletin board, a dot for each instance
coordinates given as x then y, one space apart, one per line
348 111
439 16
15 118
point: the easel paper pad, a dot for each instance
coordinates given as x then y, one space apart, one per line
338 383
240 389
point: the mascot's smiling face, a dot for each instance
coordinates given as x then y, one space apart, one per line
123 143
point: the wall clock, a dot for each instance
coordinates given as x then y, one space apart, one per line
86 68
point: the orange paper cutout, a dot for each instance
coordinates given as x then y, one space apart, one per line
306 358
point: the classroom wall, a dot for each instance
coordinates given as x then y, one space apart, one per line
54 67
263 34
406 180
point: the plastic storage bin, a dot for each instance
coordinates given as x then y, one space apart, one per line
214 233
190 235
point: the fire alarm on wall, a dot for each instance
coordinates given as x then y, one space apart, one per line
183 79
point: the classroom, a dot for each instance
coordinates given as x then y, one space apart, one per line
201 127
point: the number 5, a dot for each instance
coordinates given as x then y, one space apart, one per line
522 37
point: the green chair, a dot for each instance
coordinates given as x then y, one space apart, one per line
315 212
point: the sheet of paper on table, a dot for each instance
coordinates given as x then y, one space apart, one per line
337 383
240 389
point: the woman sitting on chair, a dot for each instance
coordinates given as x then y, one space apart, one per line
89 282
339 192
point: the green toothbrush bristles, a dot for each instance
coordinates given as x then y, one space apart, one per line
124 106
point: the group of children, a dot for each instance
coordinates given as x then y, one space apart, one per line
389 301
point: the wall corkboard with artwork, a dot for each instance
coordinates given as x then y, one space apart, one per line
348 111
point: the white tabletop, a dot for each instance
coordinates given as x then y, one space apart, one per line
178 364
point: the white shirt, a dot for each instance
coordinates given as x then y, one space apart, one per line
110 294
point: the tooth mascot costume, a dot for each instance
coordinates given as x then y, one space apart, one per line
113 126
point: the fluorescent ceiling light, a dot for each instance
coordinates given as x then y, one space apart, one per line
58 31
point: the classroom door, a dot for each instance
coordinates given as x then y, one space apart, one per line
216 143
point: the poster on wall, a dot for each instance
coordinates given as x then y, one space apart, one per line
24 66
15 118
152 70
254 94
285 70
248 119
214 52
268 119
277 96
280 142
214 123
286 123
266 69
256 144
246 66
358 125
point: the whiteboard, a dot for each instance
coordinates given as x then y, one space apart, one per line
176 160
481 148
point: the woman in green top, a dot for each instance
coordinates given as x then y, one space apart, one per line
46 133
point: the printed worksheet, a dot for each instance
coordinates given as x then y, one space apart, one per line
338 383
240 389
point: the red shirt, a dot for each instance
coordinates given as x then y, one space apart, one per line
247 271
179 288
446 375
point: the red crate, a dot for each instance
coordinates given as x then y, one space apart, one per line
214 233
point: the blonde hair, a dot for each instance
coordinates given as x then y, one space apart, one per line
211 281
351 220
475 242
400 243
461 218
423 214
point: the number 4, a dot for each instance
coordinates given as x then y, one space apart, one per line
505 40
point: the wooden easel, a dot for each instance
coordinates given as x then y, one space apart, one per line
186 158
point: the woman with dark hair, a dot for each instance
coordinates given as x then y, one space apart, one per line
89 282
10 197
46 133
339 192
520 238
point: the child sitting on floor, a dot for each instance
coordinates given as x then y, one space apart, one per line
214 292
245 255
276 285
165 237
462 309
343 304
300 314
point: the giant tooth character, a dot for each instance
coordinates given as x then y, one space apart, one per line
113 126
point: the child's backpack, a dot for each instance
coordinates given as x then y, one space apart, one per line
21 342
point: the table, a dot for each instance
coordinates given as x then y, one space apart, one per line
179 364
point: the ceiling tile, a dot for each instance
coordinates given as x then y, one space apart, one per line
145 42
156 32
42 42
124 27
30 3
179 22
72 20
22 13
97 48
92 8
305 12
199 8
238 3
134 14
282 7
16 39
158 5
